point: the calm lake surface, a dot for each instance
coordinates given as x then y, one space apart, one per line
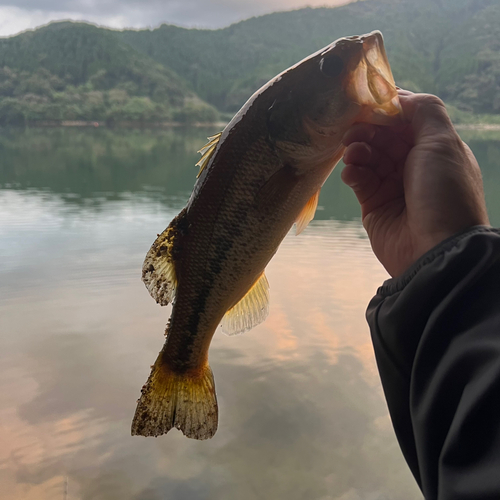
302 413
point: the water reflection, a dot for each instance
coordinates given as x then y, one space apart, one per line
301 410
93 166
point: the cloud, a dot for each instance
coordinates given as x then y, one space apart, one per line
19 15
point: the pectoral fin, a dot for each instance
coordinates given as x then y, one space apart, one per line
278 187
307 213
250 311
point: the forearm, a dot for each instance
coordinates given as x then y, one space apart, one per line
436 335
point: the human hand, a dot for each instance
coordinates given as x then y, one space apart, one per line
417 183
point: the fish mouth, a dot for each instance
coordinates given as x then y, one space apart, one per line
372 80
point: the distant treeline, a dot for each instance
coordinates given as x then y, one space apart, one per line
41 96
76 71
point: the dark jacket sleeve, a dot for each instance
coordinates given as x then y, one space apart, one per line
436 335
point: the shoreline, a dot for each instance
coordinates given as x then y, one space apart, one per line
118 124
477 126
220 124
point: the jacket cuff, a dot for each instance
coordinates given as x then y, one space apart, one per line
450 245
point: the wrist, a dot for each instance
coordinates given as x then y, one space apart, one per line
397 283
432 243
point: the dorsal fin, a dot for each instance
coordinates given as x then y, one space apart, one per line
207 151
307 213
250 311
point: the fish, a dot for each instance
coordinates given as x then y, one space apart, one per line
258 177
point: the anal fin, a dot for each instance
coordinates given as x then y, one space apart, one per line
307 213
250 311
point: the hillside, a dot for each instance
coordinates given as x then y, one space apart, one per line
76 71
444 46
71 71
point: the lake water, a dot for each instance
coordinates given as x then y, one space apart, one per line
302 414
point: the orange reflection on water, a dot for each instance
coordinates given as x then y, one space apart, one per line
285 341
35 457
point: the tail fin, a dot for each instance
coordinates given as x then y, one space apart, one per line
185 401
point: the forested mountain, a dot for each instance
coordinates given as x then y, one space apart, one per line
79 71
449 47
75 71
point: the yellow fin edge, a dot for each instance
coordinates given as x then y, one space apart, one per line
307 213
185 401
250 311
207 151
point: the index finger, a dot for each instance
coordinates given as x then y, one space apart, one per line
393 142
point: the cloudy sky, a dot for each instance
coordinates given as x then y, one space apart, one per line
19 15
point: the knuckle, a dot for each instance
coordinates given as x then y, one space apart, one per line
432 106
432 100
447 143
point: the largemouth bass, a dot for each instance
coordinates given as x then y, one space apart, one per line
260 175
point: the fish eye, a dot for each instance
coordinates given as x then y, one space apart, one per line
331 66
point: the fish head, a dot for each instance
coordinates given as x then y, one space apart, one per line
348 81
365 78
